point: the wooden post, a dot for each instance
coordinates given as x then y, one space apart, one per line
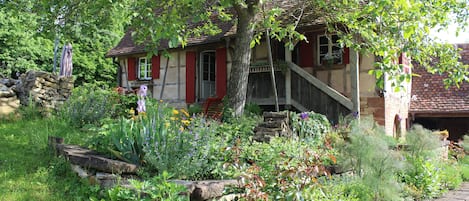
288 58
355 81
272 71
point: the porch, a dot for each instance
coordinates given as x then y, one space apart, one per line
298 89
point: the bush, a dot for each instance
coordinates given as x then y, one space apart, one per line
309 124
89 105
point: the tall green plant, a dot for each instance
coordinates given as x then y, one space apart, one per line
423 175
369 156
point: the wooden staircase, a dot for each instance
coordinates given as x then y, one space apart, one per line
275 124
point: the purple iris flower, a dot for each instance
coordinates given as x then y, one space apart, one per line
356 114
304 115
143 90
141 105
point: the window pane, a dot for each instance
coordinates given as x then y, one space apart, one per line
335 38
323 49
323 40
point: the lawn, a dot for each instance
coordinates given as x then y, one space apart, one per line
27 169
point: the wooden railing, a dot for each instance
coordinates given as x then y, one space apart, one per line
298 88
310 94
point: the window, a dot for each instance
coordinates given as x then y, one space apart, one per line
329 51
144 68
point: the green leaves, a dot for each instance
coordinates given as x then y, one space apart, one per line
388 28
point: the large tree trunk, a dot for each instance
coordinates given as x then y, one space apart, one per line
238 82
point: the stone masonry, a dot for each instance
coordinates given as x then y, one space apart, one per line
45 90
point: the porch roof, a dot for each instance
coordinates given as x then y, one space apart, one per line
429 95
127 46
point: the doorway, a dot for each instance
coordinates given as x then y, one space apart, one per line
207 75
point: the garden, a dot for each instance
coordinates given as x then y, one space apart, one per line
353 160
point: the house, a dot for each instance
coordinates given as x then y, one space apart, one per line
317 75
438 108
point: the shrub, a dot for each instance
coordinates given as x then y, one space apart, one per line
309 124
87 105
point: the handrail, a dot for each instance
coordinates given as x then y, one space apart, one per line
320 85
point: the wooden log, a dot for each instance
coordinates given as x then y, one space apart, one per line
101 163
272 124
91 159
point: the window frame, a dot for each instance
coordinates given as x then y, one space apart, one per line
146 67
330 46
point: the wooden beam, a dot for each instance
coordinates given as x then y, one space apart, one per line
323 87
355 81
288 58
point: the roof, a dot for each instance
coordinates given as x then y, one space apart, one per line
126 46
430 96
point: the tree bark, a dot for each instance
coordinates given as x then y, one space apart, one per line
238 81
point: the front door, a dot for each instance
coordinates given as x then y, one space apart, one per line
207 73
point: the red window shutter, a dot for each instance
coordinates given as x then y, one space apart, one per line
190 77
306 54
220 78
155 67
131 69
346 56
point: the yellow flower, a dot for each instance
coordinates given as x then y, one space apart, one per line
175 112
131 111
185 122
167 124
181 129
173 118
183 111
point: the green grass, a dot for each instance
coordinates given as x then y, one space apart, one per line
28 171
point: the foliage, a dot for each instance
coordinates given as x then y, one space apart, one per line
424 177
283 169
194 109
184 152
158 188
389 28
309 124
90 104
252 109
369 156
23 48
28 30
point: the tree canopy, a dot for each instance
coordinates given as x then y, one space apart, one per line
29 28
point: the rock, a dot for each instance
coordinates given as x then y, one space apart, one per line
208 189
6 92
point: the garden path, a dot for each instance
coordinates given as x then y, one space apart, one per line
460 194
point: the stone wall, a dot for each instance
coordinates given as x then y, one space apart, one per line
9 103
45 90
